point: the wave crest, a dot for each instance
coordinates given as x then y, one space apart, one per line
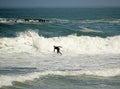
7 80
71 44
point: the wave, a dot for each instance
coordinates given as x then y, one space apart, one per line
72 44
110 21
6 80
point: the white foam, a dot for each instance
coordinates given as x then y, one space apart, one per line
111 21
30 41
7 80
84 29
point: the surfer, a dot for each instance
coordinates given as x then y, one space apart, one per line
58 49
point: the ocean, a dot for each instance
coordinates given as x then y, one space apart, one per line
90 41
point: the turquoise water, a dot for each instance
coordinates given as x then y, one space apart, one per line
63 22
89 37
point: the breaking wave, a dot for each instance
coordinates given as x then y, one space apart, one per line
6 80
71 44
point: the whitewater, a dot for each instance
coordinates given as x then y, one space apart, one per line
82 55
90 41
72 44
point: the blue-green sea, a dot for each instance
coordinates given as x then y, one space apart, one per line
90 47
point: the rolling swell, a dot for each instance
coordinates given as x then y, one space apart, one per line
9 80
54 27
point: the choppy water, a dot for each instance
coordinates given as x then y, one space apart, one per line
90 40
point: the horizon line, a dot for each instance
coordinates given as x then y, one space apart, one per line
59 7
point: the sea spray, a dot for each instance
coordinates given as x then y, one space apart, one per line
71 44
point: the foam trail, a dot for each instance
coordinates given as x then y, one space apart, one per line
7 80
84 29
111 21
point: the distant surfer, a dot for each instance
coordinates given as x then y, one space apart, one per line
58 49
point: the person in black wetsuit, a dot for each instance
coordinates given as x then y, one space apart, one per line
58 49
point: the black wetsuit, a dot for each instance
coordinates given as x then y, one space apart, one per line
58 49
